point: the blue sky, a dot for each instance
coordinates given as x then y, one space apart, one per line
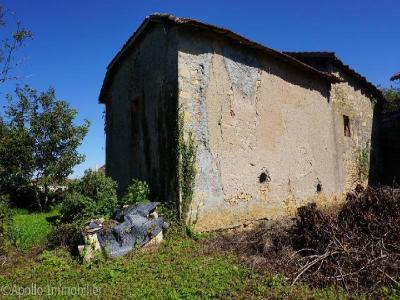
75 40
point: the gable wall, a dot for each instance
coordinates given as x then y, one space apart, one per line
141 114
350 98
251 114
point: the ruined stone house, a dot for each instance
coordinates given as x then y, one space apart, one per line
231 130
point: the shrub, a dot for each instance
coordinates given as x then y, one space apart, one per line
67 235
137 192
97 186
78 207
92 196
5 225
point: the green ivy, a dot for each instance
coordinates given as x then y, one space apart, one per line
187 167
364 161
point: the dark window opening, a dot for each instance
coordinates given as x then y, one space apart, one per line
264 177
346 126
319 187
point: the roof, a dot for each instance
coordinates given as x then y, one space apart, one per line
331 56
395 76
157 18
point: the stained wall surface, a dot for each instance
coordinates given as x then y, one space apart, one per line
350 99
269 137
141 115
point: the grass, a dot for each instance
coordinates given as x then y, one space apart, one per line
181 268
31 229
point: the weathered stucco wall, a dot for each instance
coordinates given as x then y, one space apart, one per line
141 115
268 136
350 99
265 132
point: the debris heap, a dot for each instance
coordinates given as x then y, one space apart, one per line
356 246
131 227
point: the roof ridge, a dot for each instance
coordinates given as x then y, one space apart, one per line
226 32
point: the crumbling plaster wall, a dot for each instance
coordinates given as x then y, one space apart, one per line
349 98
141 115
254 119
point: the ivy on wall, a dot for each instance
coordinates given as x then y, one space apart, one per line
364 162
186 168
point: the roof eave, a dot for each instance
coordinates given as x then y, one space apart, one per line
335 60
230 34
117 57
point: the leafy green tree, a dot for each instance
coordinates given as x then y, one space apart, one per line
44 138
16 160
56 138
16 155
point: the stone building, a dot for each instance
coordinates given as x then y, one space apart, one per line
231 130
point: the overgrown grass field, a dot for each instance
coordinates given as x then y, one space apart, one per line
31 229
180 268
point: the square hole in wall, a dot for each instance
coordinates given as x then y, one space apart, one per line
346 126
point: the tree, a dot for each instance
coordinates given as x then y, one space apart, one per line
13 37
41 131
16 156
16 159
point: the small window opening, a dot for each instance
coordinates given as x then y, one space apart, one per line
264 177
346 126
319 187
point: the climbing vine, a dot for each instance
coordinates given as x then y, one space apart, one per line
364 162
187 167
